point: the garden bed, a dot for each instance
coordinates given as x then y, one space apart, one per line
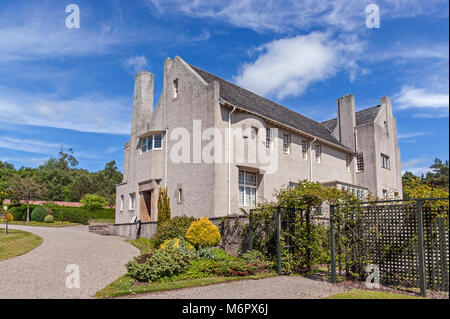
44 224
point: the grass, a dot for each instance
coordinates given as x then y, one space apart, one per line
125 285
42 224
369 294
145 245
16 243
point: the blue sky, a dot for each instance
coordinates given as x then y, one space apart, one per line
74 87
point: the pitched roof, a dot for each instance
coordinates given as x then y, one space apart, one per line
259 105
362 117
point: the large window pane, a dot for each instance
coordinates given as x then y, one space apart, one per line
150 143
144 145
157 143
241 196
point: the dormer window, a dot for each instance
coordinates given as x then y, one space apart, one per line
175 88
153 142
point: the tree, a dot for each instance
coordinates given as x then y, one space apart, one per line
93 202
439 175
163 207
25 189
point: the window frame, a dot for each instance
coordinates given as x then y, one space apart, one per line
247 185
122 203
360 162
175 88
286 144
305 148
132 201
318 153
385 161
269 138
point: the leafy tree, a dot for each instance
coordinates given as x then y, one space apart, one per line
25 189
163 207
6 165
93 202
438 177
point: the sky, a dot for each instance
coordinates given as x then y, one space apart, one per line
73 87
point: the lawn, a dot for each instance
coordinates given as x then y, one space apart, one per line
42 224
17 243
369 294
125 285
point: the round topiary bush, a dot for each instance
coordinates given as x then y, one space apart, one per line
38 214
49 219
203 233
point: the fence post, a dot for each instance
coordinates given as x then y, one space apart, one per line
278 221
250 230
420 238
332 246
443 254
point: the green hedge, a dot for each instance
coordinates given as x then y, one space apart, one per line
62 213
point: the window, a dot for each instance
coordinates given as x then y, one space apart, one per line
152 142
247 189
175 89
319 211
305 146
286 142
157 141
253 133
180 195
318 153
347 162
292 185
132 201
269 138
385 163
121 202
359 163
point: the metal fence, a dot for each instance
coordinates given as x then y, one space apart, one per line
407 240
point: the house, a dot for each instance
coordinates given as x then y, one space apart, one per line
219 148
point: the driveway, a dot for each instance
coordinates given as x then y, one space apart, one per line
282 287
41 273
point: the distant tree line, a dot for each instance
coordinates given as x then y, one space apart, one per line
434 183
60 179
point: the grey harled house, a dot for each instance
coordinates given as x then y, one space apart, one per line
357 151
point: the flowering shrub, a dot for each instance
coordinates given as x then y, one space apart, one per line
177 243
203 233
9 217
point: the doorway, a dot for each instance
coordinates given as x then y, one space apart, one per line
146 206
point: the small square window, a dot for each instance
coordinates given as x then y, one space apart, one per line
385 163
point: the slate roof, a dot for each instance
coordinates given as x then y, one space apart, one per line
362 117
259 105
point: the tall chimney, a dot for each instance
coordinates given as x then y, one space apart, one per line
346 121
142 102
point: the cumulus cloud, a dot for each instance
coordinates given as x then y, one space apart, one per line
415 166
135 64
425 102
286 67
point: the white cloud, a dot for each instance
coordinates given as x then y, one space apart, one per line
283 16
428 103
135 64
288 66
410 135
415 166
29 145
87 113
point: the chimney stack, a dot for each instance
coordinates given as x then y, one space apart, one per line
142 102
346 121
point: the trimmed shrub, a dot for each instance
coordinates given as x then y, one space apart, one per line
71 215
174 228
203 233
252 256
161 265
19 212
38 214
49 219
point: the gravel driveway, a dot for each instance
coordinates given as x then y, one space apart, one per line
283 287
41 273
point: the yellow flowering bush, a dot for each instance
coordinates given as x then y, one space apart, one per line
203 233
9 216
176 243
